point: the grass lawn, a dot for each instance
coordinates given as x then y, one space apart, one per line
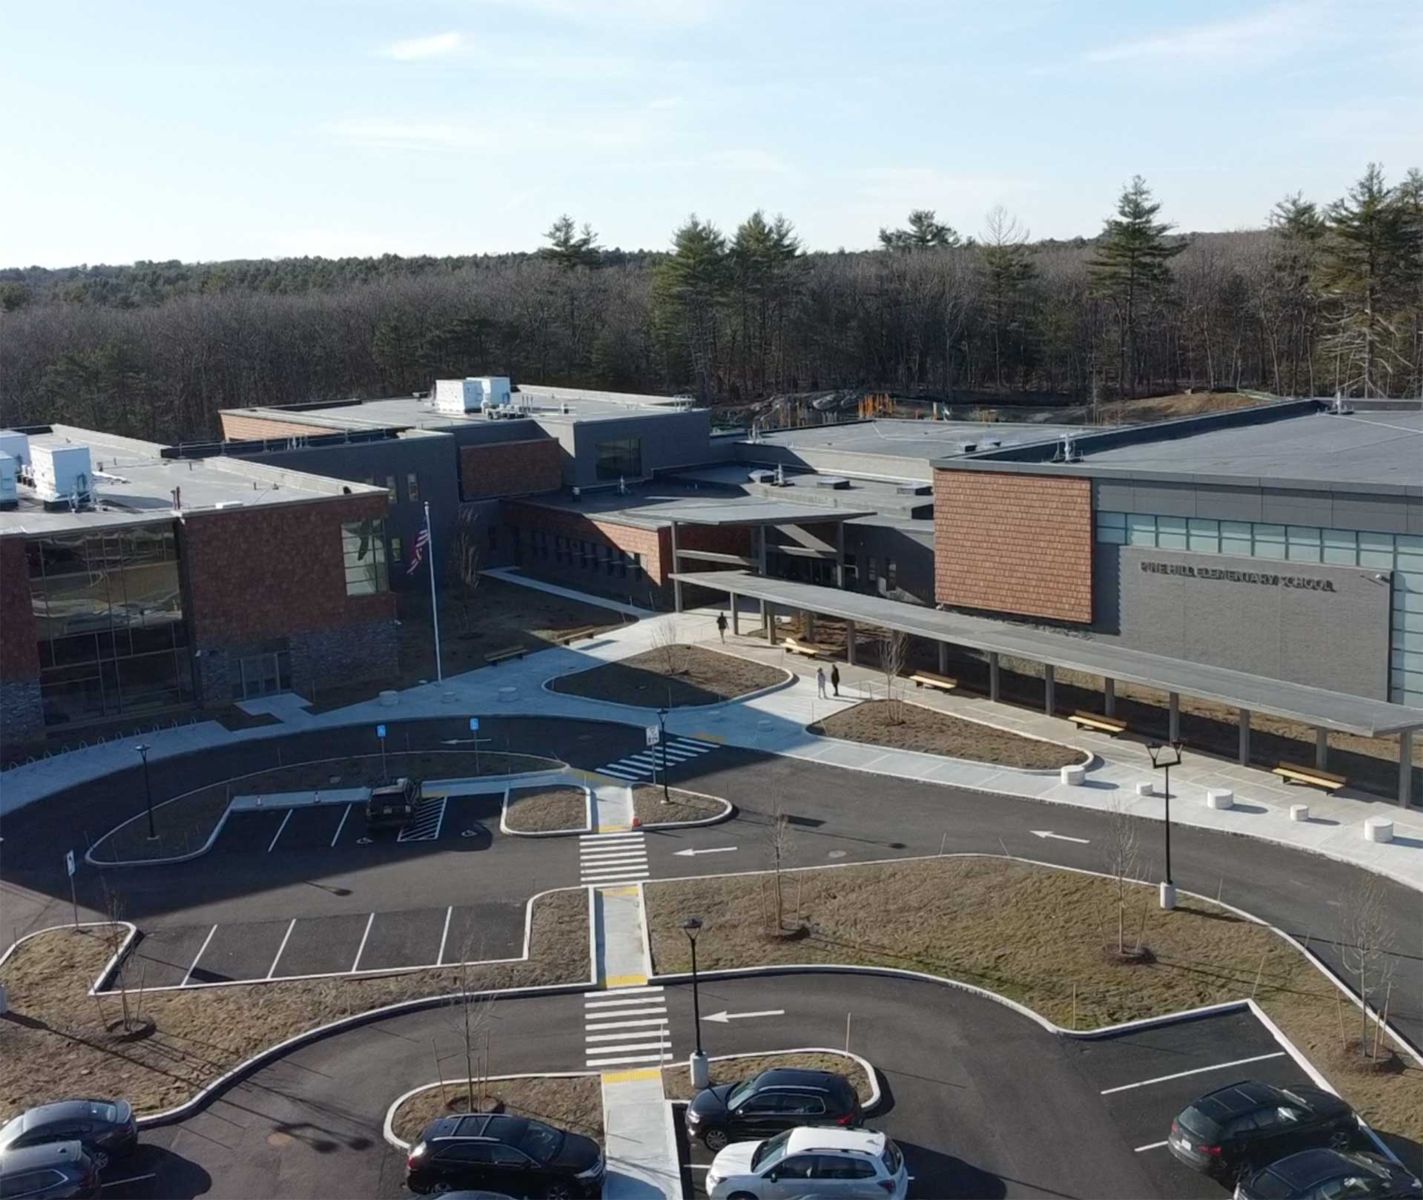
58 1039
542 810
571 1102
677 1080
934 732
1038 936
649 807
682 676
186 822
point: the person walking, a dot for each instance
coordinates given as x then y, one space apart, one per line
820 681
721 625
835 679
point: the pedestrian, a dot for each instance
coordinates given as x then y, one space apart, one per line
820 681
835 679
721 625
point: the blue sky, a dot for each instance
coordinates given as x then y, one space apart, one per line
200 130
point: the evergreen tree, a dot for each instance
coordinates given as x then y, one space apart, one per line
1131 268
689 289
1410 196
1007 271
570 247
761 259
924 231
1298 229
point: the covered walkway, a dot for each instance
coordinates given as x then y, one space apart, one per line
1324 710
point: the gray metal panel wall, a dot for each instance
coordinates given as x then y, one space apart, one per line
1280 505
669 439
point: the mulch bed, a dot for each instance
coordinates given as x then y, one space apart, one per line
573 1103
679 676
650 809
545 810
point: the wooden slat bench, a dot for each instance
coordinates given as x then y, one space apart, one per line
495 657
1313 776
572 635
809 649
1086 720
929 679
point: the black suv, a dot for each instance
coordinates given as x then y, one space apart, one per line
106 1127
392 804
1330 1175
1249 1124
512 1155
775 1100
49 1171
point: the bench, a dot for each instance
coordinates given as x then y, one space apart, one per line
1086 720
809 649
945 683
495 657
1294 773
573 635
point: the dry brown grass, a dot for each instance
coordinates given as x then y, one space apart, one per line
649 807
1037 936
572 1102
933 732
694 676
1181 404
56 1039
186 822
677 1080
544 810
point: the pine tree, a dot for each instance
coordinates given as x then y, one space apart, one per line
689 289
924 231
1298 229
1007 271
761 259
1410 196
1131 268
570 247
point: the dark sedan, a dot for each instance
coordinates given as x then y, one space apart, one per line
1330 1175
776 1100
106 1127
50 1171
512 1155
1249 1124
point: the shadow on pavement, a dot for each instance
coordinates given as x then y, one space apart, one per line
155 1171
944 1177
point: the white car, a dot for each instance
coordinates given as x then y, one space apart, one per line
846 1164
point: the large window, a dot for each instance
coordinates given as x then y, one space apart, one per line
363 544
620 459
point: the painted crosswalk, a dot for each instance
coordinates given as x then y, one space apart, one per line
637 768
425 825
626 1027
607 858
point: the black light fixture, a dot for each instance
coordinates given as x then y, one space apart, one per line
1162 761
691 927
662 742
142 750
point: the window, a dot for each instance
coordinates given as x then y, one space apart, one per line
1171 533
1302 543
1202 535
1235 538
1141 530
1269 541
891 574
842 1166
363 546
799 1166
871 569
412 486
1112 528
852 571
805 1105
397 550
619 459
390 488
1341 546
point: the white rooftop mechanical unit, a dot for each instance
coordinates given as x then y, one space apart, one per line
9 472
63 475
16 445
477 393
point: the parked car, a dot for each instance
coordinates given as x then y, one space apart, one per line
49 1171
391 805
775 1100
106 1127
1330 1175
846 1164
504 1154
1249 1124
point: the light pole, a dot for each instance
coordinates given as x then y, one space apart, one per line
1163 763
142 751
701 1074
666 795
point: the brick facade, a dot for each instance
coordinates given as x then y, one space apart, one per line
650 587
239 428
19 645
510 469
1014 543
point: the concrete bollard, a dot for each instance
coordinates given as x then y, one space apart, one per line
1145 789
389 699
448 696
1073 776
1299 812
1220 798
1378 829
700 1070
1168 896
507 694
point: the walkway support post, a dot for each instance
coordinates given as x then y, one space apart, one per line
1109 696
676 566
770 614
943 658
993 681
1049 689
1321 748
1243 757
850 642
1405 767
1173 717
840 555
735 615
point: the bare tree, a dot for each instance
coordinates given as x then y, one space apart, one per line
1120 850
780 849
668 647
114 933
473 1021
1365 937
893 648
468 553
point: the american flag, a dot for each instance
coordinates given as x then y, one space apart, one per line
417 555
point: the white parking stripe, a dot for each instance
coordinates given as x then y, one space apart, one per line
282 947
1239 1062
278 834
342 825
449 912
129 1179
590 1019
361 949
662 1020
199 955
1150 1146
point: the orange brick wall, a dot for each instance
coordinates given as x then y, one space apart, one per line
1014 543
236 428
511 469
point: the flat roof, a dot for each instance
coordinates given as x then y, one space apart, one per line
902 438
1292 701
134 484
659 512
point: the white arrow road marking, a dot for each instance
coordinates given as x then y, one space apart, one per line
709 850
723 1017
1061 837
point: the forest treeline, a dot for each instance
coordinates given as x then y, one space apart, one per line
1326 297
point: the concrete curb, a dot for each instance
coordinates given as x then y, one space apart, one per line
790 680
587 826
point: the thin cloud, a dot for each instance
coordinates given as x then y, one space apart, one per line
641 13
388 133
436 45
1271 33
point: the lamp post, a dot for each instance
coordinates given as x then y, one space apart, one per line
142 751
701 1074
1161 762
666 795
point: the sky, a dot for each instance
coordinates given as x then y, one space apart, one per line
199 130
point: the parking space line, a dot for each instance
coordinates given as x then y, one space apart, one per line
1239 1062
278 834
445 933
282 947
342 825
361 949
1150 1146
130 1179
201 948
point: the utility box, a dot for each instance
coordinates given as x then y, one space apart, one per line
9 484
477 393
63 474
16 445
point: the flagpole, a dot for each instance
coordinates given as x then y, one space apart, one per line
434 600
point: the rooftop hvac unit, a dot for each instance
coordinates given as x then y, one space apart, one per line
477 393
16 445
9 488
912 489
762 476
832 481
63 474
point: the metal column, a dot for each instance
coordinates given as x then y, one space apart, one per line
1321 748
676 566
1049 689
1109 697
993 675
943 658
850 642
1405 767
768 613
1173 717
735 615
1244 754
840 555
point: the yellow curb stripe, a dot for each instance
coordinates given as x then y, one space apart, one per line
634 1076
622 890
619 981
615 829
